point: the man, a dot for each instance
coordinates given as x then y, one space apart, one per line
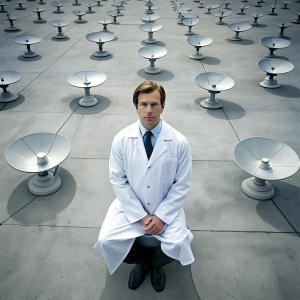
151 172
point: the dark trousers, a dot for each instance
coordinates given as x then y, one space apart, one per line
141 255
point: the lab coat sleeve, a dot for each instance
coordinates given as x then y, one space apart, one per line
169 208
131 205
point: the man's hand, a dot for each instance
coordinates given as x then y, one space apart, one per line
144 220
153 225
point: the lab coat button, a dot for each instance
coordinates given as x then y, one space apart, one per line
148 186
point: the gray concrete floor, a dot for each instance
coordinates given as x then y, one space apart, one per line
244 248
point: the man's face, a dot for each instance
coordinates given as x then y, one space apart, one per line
149 109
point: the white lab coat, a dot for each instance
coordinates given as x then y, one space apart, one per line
158 186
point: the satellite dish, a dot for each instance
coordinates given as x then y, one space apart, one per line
149 18
214 83
283 26
190 23
199 41
242 8
274 66
87 80
237 28
118 5
89 6
38 153
100 38
152 53
273 6
113 13
11 20
79 14
59 24
39 19
150 28
58 5
297 21
7 78
27 40
20 5
274 43
212 6
256 16
105 22
265 159
221 14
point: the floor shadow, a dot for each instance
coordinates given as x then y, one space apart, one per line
179 284
209 60
14 103
158 43
258 25
17 30
43 208
286 197
280 57
239 111
29 59
85 22
108 57
164 75
285 90
2 105
103 104
60 40
243 42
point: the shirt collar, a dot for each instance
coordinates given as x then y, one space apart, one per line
156 130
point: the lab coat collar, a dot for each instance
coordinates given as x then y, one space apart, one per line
166 134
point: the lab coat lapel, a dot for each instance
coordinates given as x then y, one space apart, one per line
160 146
135 133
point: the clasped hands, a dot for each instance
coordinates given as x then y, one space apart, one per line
152 224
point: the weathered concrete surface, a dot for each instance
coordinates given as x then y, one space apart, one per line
244 248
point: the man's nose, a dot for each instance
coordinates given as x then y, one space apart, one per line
149 108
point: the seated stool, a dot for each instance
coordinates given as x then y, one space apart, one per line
148 241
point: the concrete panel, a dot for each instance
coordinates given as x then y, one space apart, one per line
246 265
83 199
60 262
216 202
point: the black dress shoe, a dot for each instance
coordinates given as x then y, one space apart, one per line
137 276
158 278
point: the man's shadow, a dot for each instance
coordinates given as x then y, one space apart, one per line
179 284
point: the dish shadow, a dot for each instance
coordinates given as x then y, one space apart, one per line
286 198
17 30
15 103
60 40
179 283
209 60
29 59
164 75
244 42
258 25
158 43
227 106
108 57
103 104
285 90
42 208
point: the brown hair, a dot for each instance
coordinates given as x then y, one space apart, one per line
149 86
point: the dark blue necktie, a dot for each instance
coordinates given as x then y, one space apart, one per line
148 144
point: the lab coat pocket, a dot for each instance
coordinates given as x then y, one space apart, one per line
169 168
